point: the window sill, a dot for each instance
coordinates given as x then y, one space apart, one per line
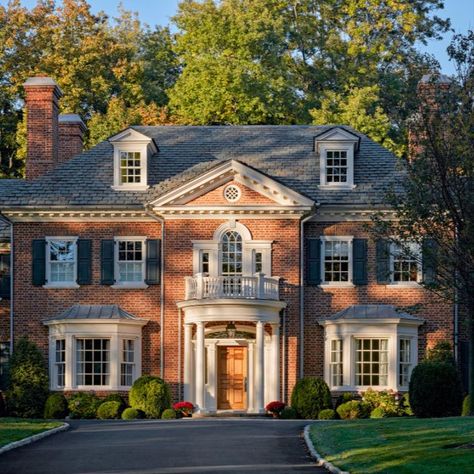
124 187
129 286
337 285
408 284
61 286
334 187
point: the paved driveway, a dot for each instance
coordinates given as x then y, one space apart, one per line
182 446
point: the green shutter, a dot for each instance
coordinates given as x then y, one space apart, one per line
107 262
153 262
5 276
359 265
39 262
383 261
313 261
84 262
429 261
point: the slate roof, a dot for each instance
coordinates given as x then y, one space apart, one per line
371 311
94 311
285 153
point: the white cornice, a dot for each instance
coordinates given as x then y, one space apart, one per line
226 172
348 214
77 216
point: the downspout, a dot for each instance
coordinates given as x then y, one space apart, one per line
301 285
149 213
10 223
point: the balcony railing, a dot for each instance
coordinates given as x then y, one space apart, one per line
245 287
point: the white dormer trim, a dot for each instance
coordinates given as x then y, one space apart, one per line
336 139
228 171
130 140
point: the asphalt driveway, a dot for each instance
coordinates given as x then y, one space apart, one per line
181 446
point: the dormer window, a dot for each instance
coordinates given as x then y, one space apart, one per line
336 148
132 151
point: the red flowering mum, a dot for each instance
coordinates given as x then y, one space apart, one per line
187 407
275 407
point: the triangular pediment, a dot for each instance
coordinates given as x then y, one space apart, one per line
130 135
337 134
248 179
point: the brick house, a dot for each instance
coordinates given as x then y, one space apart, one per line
228 260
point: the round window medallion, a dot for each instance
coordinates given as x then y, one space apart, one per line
232 193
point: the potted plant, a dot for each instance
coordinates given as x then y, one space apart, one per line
275 408
185 408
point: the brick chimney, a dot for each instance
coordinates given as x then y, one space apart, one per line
42 96
71 136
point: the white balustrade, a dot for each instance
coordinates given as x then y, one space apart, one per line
247 287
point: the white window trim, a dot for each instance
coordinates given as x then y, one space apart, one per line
60 285
115 330
413 357
336 146
405 284
136 146
348 331
337 284
129 285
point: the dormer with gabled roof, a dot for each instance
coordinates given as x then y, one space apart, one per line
132 151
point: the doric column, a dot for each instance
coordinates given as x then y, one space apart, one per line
200 369
259 368
251 379
276 361
188 362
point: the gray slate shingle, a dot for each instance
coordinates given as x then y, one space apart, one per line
284 153
94 311
371 311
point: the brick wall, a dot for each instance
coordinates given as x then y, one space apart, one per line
70 140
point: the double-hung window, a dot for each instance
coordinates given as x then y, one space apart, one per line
61 261
371 362
336 260
130 167
60 362
92 362
127 367
336 167
130 260
405 364
405 263
336 366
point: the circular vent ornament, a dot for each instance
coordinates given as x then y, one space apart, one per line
232 193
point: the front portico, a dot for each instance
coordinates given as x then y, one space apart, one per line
232 352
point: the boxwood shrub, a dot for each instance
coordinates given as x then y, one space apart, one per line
116 397
327 414
169 414
56 406
353 410
288 413
465 406
435 390
83 405
109 410
132 414
310 396
151 395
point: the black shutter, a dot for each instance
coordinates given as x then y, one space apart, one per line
429 257
5 275
153 262
359 266
383 261
39 262
313 261
84 262
107 262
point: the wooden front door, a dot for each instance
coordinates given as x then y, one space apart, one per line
232 378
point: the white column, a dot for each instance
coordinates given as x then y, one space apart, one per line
200 400
211 401
188 362
276 361
70 376
259 369
250 379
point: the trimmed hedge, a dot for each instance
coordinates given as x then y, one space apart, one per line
151 395
115 397
132 414
83 405
169 414
109 410
28 379
327 414
56 406
353 410
288 413
435 390
310 396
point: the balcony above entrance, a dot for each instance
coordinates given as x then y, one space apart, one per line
258 287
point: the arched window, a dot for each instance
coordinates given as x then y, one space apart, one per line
231 254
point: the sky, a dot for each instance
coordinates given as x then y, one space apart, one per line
159 12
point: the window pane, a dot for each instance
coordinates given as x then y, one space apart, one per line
127 366
92 357
406 261
371 362
130 167
336 261
130 261
336 166
62 258
231 254
336 366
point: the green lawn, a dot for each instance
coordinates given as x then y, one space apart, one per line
14 429
397 445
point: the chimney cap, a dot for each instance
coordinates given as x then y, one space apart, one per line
71 118
41 81
435 78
